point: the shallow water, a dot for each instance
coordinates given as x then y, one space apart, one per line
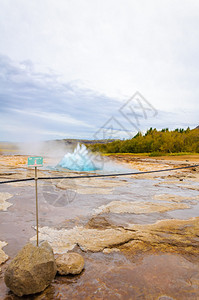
115 275
58 207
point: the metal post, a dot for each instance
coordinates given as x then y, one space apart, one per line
36 206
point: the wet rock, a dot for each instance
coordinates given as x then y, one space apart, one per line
3 203
3 256
110 250
174 198
94 186
164 297
69 263
88 239
32 270
180 236
98 222
191 187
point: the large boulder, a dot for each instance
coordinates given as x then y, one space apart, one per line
32 270
69 263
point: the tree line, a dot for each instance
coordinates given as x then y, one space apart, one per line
155 142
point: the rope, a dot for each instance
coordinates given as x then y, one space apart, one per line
102 175
17 180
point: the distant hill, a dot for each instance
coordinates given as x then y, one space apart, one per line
75 141
197 127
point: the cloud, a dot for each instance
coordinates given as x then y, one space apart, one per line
52 117
33 104
81 60
37 106
112 47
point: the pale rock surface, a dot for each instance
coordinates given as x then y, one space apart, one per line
174 198
3 203
136 207
93 240
181 235
90 186
3 255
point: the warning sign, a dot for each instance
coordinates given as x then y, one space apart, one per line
35 161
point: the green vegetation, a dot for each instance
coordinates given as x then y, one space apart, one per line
154 142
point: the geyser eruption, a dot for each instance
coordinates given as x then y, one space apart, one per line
80 160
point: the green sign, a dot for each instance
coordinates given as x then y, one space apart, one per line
35 161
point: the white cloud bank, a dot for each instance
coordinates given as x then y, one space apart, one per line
113 47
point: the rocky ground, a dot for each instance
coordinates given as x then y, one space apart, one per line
138 234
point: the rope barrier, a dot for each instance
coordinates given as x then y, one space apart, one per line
17 180
99 175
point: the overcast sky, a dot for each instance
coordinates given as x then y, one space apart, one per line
68 66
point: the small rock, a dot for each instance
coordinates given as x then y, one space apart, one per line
3 255
32 270
98 222
69 263
165 298
3 203
110 250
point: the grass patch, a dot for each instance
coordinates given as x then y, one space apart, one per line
182 153
156 153
152 154
132 154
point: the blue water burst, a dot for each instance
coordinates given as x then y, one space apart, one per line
80 160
